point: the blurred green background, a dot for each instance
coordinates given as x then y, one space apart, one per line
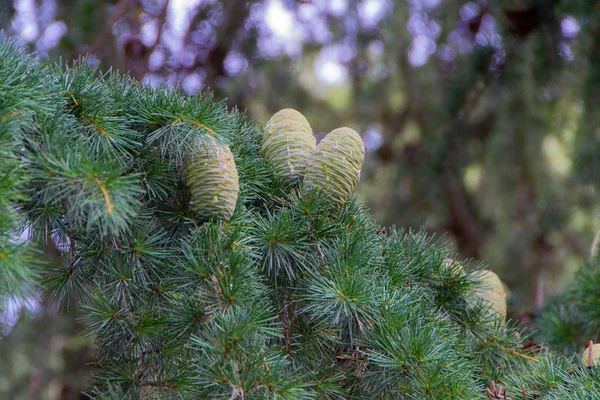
480 120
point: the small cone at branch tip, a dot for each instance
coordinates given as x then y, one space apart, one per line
334 167
212 177
592 352
492 291
287 144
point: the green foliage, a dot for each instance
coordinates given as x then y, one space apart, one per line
289 299
571 318
23 85
568 322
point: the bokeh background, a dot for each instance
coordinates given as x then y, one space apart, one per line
480 119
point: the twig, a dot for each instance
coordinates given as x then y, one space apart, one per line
516 353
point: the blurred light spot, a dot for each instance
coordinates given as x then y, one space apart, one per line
337 8
91 59
446 53
372 137
331 72
279 19
188 59
235 63
434 29
328 67
307 12
465 45
314 22
13 306
416 23
497 62
152 80
280 31
469 12
25 21
420 50
564 50
411 134
430 3
420 24
344 52
556 155
371 12
179 17
46 13
481 38
192 83
52 35
472 177
149 33
496 41
569 27
454 38
319 29
157 59
153 7
375 48
487 32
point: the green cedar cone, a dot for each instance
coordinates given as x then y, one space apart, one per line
287 144
492 291
335 164
212 177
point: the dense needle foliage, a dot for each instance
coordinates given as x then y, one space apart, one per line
292 298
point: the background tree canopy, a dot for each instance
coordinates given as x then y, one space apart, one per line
480 118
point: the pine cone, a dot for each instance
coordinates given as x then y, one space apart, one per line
287 144
335 165
212 177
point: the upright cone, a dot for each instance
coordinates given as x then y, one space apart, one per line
287 144
492 291
334 166
211 174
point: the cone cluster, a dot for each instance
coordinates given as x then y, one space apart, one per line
290 150
212 178
333 167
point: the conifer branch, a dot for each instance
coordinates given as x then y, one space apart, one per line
289 298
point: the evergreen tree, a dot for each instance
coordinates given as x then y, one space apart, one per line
292 297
